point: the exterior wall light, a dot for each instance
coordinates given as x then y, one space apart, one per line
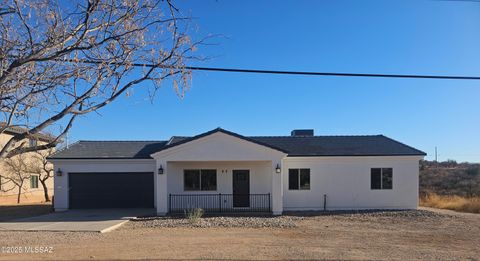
59 172
278 169
160 170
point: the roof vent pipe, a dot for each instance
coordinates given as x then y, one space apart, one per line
305 132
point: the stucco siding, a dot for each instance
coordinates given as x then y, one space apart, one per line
346 183
8 191
219 147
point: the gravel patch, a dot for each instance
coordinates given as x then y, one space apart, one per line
386 216
289 220
210 222
370 213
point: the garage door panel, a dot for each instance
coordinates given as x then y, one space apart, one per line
111 190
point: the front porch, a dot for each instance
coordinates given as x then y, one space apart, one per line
220 172
220 187
220 203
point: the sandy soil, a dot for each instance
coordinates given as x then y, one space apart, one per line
444 236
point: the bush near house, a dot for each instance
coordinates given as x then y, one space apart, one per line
194 215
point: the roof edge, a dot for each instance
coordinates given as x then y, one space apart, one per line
99 158
401 143
353 155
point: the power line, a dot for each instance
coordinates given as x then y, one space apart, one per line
445 77
307 73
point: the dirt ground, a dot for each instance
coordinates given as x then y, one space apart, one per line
445 236
8 212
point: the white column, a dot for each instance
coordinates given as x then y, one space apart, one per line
277 189
60 188
161 191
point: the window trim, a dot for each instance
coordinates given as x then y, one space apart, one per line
200 180
298 179
36 181
381 178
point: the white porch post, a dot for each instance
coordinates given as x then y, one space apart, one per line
277 189
161 192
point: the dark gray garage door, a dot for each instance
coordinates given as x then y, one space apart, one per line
111 190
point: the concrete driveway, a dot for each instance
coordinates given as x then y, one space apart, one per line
86 220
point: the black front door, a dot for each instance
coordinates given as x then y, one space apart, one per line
241 188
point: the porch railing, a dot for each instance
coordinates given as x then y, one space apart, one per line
220 203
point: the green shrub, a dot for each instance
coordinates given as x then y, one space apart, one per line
194 215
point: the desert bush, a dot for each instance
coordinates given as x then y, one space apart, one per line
194 215
473 170
457 203
462 179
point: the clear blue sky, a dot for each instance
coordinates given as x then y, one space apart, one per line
410 37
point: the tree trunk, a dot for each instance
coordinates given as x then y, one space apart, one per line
19 193
45 190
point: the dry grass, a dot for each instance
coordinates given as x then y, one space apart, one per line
457 203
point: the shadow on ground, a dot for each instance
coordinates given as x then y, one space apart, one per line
10 212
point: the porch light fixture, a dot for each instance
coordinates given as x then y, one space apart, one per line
160 170
278 169
59 172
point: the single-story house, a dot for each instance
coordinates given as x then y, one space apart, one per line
222 171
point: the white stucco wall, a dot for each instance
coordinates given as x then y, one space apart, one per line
260 176
346 182
76 166
219 147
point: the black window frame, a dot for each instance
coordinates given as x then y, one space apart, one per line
212 186
299 172
379 184
32 143
34 181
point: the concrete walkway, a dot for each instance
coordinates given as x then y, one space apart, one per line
87 220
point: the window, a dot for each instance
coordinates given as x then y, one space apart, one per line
33 181
208 179
381 178
299 179
191 179
32 142
200 179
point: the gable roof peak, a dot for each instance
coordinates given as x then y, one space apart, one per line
171 144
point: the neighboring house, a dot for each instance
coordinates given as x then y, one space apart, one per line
32 190
221 171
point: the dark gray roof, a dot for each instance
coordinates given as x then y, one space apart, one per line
110 150
368 145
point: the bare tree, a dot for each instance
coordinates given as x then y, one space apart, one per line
41 167
62 60
15 173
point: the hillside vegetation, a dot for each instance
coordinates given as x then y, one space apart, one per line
450 185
